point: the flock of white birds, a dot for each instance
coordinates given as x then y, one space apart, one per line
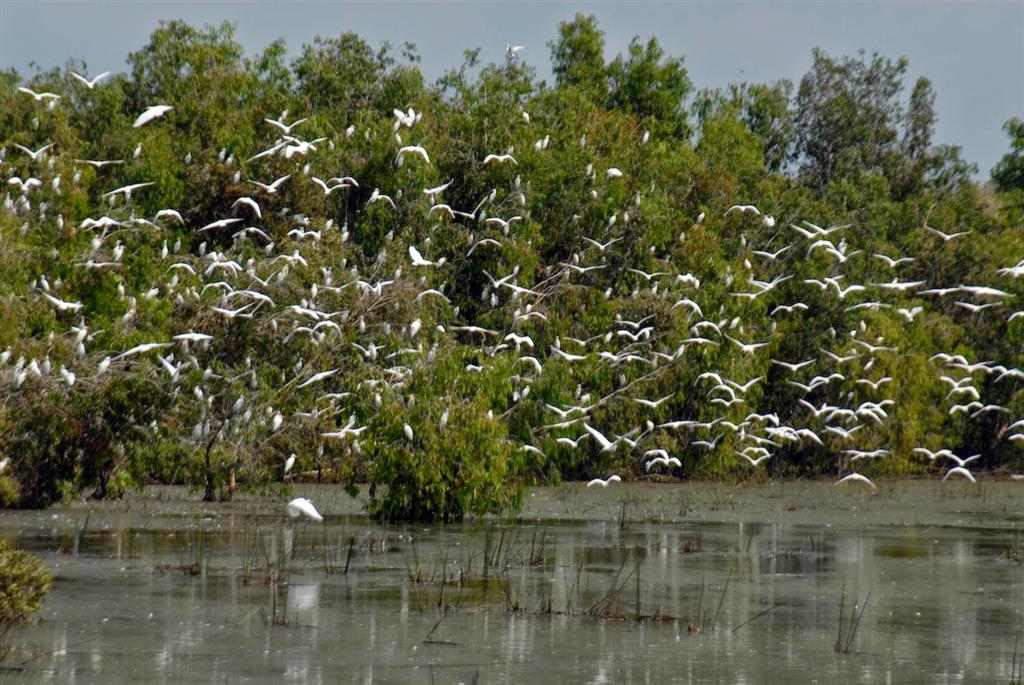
230 286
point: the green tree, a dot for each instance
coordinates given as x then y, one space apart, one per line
345 75
764 109
1008 173
851 121
577 56
648 84
848 116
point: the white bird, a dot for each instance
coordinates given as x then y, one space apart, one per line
411 150
662 460
856 478
377 196
26 185
128 189
300 506
773 256
891 262
315 378
569 442
90 84
744 209
748 348
793 367
99 163
604 483
273 187
192 337
418 260
755 462
289 463
602 246
500 158
39 97
62 305
690 304
151 113
946 237
432 193
959 471
909 314
250 203
932 456
170 214
653 404
606 444
285 128
962 461
34 154
141 349
220 223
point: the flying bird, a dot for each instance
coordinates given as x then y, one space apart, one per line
151 113
89 83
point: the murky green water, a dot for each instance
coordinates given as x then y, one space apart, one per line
731 585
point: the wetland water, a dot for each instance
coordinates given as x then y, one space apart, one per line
737 585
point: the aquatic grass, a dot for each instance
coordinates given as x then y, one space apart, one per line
413 570
333 556
721 601
277 617
756 616
1016 668
697 624
609 605
192 558
428 639
848 627
537 551
1015 550
79 533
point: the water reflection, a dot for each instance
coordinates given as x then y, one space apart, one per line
170 598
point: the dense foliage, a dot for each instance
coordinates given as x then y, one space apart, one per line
584 251
24 583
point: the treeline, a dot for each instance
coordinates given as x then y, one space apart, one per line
442 372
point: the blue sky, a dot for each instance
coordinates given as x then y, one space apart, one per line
973 52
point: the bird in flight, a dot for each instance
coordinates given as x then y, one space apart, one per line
150 114
89 83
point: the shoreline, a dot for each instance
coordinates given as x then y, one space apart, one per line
997 504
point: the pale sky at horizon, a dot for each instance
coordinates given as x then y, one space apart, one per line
972 52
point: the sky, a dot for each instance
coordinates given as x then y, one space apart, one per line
972 51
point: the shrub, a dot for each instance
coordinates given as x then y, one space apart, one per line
24 582
459 460
445 473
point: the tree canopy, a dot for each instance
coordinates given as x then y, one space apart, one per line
449 290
